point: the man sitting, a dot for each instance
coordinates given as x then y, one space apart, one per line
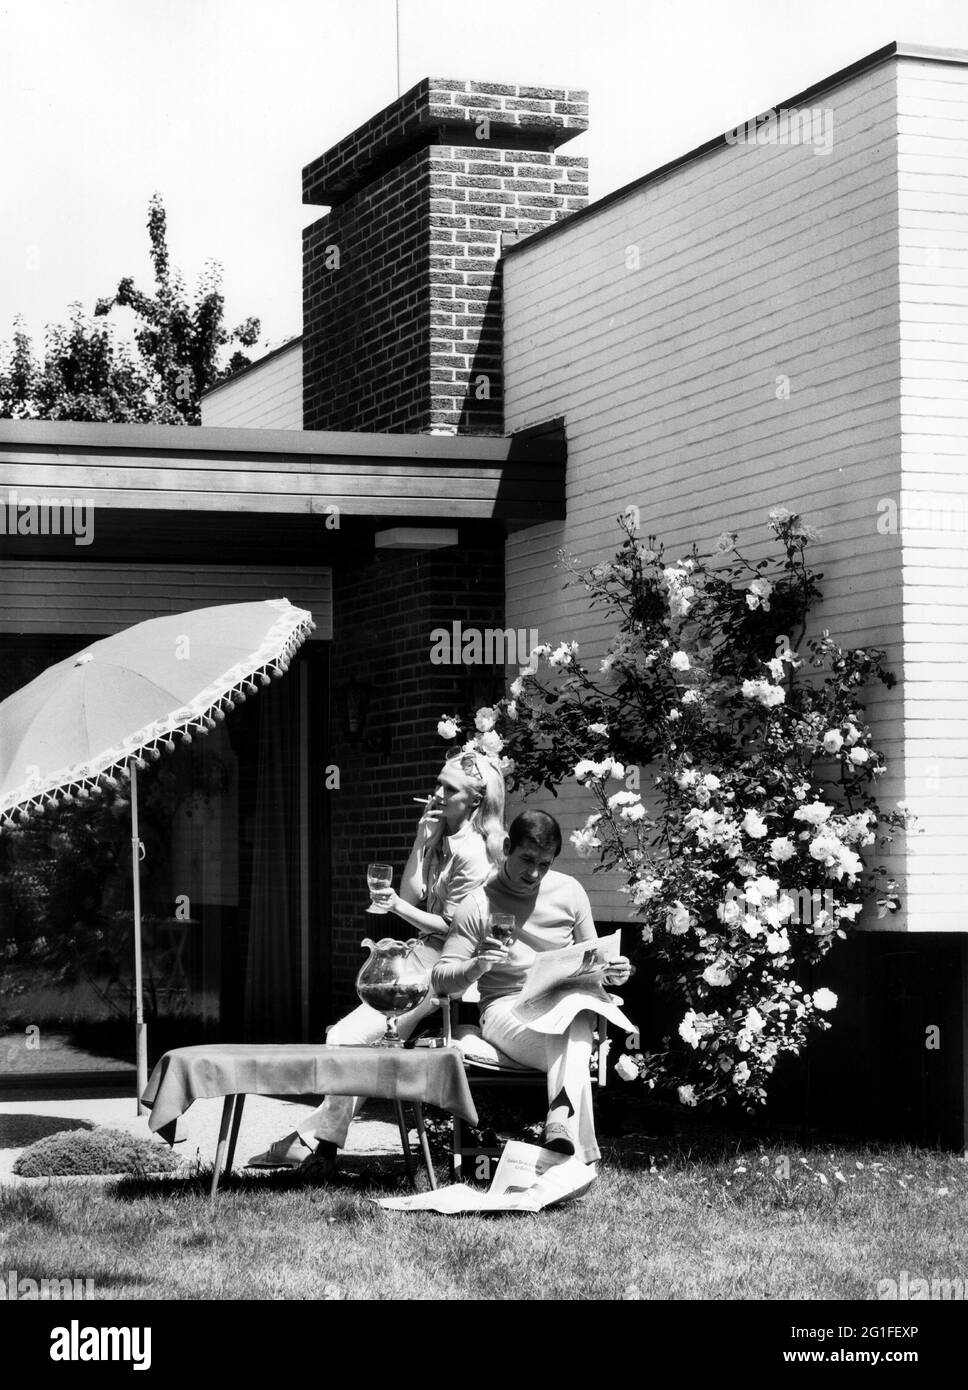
551 910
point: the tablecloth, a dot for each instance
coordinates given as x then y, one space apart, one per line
434 1076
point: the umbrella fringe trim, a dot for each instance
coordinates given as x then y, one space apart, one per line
208 709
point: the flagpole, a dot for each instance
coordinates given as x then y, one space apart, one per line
140 1031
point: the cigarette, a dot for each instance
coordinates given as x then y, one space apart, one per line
422 800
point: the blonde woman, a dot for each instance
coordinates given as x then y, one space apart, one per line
457 847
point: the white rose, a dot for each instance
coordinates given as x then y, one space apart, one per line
741 1074
777 943
716 976
782 849
448 728
824 999
859 756
817 813
598 729
688 1031
585 842
833 740
517 688
485 719
762 691
564 655
678 919
754 825
645 890
754 1021
849 911
622 799
686 778
711 782
687 1095
625 1068
492 743
679 661
728 912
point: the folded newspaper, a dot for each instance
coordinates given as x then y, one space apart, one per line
562 984
528 1178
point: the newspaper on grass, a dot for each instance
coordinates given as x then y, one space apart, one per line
528 1178
561 984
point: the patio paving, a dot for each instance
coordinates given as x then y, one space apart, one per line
22 1122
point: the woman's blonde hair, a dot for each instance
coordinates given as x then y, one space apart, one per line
487 779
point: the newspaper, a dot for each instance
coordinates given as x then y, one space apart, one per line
528 1178
562 984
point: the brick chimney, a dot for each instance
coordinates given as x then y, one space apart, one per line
401 280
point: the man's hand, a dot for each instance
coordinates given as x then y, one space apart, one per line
619 971
491 953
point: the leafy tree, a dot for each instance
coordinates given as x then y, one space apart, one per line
85 374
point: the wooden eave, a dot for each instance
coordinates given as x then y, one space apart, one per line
519 478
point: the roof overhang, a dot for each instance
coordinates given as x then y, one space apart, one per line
519 479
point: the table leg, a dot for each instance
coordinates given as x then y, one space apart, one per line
233 1138
228 1110
456 1145
424 1146
405 1141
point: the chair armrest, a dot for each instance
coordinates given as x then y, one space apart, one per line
445 1010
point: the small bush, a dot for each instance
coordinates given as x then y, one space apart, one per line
76 1153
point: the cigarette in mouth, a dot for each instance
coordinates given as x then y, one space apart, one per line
422 800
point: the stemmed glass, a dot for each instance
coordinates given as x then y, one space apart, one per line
378 876
502 925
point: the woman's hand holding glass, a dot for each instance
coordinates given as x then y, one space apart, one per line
378 880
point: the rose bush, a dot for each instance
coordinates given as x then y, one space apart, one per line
733 772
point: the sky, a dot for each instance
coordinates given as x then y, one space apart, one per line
217 104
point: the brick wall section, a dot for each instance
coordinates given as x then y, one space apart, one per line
398 334
385 609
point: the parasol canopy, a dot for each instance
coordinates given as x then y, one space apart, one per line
87 723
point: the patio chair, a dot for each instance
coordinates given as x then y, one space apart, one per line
489 1068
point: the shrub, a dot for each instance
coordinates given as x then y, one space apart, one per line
76 1153
734 773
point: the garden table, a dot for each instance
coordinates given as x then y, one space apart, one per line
434 1076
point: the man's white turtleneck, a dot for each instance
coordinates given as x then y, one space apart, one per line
553 914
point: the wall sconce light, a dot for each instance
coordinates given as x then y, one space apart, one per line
356 705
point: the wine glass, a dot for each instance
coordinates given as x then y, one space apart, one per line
502 926
378 876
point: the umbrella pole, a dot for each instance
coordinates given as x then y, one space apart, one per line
140 1030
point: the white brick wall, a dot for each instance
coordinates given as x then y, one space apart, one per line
933 201
268 396
756 262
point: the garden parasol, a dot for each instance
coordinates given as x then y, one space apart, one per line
87 723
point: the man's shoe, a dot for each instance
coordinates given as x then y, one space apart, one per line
321 1168
290 1152
558 1138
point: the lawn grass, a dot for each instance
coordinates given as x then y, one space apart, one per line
667 1220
